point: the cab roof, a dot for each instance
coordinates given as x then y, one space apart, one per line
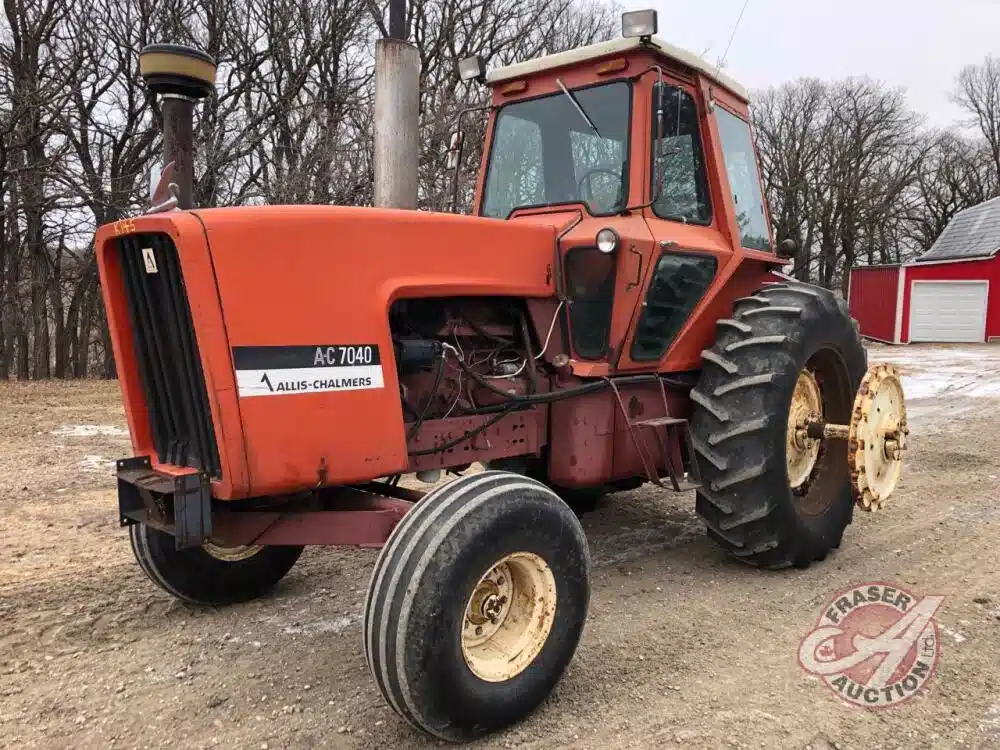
617 47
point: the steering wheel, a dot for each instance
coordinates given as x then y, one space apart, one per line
589 192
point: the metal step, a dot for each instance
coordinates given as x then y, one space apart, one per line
686 485
681 478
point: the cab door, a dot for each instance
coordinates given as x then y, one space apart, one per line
690 249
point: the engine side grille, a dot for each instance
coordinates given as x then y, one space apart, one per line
167 351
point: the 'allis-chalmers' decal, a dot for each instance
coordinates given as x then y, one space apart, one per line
287 370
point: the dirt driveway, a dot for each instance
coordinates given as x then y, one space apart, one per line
682 648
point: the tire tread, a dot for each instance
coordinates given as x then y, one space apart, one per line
738 431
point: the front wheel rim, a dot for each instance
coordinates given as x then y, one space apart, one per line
231 553
508 617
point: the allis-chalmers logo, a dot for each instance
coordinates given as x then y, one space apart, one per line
875 645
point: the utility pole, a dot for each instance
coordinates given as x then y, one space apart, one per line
397 114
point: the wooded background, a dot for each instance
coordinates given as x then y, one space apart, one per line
851 172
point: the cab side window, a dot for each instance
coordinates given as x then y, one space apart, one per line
678 283
679 160
744 180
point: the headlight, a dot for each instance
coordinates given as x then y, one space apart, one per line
607 240
471 68
638 23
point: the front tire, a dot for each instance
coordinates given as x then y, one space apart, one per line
211 574
477 604
768 500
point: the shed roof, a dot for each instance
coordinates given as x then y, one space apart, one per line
972 233
613 47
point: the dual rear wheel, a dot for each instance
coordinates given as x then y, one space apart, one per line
773 496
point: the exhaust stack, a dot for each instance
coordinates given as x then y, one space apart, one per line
397 114
180 76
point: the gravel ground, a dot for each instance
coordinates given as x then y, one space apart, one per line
682 648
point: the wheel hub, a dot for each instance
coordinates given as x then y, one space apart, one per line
802 451
230 553
487 604
508 617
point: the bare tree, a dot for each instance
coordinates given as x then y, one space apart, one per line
956 172
790 124
839 161
978 93
38 87
848 173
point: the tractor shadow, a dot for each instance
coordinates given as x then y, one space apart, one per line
629 526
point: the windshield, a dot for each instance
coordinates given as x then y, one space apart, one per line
547 151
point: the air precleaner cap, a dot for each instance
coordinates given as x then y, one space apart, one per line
177 69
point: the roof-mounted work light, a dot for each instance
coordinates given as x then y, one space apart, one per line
641 23
472 69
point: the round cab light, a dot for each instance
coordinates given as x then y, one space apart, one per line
607 240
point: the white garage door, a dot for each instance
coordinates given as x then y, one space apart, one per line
943 311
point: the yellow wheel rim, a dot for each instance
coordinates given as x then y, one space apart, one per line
802 451
508 617
877 437
231 553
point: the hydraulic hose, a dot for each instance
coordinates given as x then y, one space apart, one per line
465 436
547 398
516 402
430 397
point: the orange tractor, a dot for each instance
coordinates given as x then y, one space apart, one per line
606 318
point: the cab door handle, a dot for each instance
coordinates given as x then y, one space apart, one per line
638 272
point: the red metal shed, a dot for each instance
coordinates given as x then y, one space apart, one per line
948 294
873 298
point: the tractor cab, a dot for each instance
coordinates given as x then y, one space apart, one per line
640 154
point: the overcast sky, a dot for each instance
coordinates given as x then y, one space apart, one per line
918 45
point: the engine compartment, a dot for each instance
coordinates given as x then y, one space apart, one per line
491 375
495 356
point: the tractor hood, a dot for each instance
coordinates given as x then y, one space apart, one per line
339 260
308 278
268 288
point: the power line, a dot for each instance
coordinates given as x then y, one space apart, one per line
722 60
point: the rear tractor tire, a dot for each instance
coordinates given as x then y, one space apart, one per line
771 497
476 604
213 573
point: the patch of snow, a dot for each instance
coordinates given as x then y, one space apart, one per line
991 720
90 430
949 382
334 625
96 464
936 372
958 637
